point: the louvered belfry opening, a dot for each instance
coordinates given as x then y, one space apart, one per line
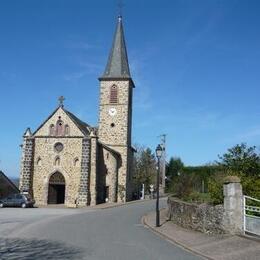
113 94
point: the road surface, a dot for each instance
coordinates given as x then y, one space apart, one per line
92 234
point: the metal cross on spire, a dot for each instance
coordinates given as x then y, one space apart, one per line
61 100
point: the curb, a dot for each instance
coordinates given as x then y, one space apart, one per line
172 240
98 206
250 237
107 206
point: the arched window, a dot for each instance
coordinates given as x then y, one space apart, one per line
67 130
57 178
57 161
59 128
52 130
39 161
113 94
76 162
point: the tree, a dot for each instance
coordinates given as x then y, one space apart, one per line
145 167
244 162
241 160
173 170
174 167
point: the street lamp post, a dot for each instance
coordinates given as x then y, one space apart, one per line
158 155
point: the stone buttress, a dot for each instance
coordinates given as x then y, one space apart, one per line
25 184
83 194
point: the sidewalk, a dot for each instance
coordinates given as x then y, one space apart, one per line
209 246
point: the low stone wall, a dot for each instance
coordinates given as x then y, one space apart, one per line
203 217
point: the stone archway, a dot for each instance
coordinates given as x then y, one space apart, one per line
56 189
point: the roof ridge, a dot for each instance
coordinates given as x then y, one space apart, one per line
83 126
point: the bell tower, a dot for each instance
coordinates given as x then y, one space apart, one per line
115 109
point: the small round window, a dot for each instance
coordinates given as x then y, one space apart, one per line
58 147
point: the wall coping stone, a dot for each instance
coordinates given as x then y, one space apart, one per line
231 179
190 203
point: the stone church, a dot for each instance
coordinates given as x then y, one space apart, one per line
67 161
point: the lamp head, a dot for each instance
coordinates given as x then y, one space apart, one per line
159 151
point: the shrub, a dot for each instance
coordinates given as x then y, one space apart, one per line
198 197
182 185
215 188
251 186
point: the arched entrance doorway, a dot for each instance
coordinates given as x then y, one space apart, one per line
56 191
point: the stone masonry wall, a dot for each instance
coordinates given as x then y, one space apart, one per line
117 137
203 217
111 161
44 149
83 194
107 174
129 182
93 169
122 174
27 165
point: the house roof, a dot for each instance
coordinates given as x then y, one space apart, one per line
8 181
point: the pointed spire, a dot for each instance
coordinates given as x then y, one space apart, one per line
117 65
28 132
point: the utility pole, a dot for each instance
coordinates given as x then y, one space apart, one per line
163 162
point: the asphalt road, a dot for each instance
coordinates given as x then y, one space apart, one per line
93 234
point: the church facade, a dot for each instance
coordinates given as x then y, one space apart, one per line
66 161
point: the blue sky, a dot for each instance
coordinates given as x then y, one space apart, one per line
196 66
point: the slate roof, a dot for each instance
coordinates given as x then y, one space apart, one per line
84 127
117 65
109 149
7 187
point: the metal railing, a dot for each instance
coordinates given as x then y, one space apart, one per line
251 221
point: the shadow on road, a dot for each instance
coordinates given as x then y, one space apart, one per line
25 249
